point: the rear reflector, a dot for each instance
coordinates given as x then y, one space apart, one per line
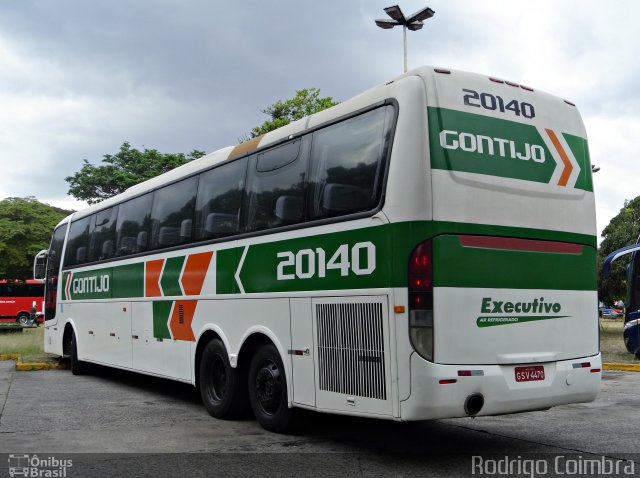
582 365
470 373
446 381
595 370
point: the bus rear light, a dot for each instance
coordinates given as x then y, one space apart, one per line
420 267
420 300
420 285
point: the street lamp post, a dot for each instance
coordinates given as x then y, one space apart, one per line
413 22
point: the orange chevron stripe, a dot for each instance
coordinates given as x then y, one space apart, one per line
568 168
195 270
152 271
181 318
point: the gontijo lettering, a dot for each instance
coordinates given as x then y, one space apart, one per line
505 148
91 284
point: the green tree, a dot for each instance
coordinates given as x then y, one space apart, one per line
122 170
25 228
622 230
304 103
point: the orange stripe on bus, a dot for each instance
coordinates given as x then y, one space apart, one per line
245 148
568 168
181 318
195 271
152 271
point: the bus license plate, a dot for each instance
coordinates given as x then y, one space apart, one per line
529 374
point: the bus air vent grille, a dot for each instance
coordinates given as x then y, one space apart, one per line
351 349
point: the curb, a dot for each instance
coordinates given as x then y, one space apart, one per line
622 366
31 366
9 356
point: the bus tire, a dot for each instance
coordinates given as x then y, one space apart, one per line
268 390
23 318
77 367
223 393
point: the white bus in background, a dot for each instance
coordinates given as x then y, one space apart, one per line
423 250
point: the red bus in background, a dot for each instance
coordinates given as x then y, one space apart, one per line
17 298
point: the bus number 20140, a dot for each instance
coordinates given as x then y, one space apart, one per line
360 260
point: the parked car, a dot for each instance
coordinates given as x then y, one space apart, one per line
608 313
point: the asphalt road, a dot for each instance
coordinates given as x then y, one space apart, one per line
113 423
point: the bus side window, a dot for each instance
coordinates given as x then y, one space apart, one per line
172 213
78 241
276 186
347 164
219 199
103 236
133 225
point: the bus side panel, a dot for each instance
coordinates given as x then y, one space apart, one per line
152 351
103 331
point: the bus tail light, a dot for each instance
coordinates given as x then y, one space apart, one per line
421 300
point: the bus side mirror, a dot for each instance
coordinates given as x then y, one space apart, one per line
39 265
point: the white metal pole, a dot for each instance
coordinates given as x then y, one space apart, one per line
404 33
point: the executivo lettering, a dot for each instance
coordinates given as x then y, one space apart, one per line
509 312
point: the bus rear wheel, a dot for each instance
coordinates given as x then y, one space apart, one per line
223 392
23 318
268 390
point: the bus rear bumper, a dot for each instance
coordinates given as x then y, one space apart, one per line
440 391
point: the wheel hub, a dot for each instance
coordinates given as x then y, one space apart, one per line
268 388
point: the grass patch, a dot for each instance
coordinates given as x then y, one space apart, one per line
612 344
29 342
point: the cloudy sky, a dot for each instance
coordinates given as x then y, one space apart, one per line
79 78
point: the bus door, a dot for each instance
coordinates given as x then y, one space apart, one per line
54 262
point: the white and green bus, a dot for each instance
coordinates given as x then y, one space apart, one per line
423 250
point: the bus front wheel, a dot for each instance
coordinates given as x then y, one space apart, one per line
77 367
268 390
222 390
